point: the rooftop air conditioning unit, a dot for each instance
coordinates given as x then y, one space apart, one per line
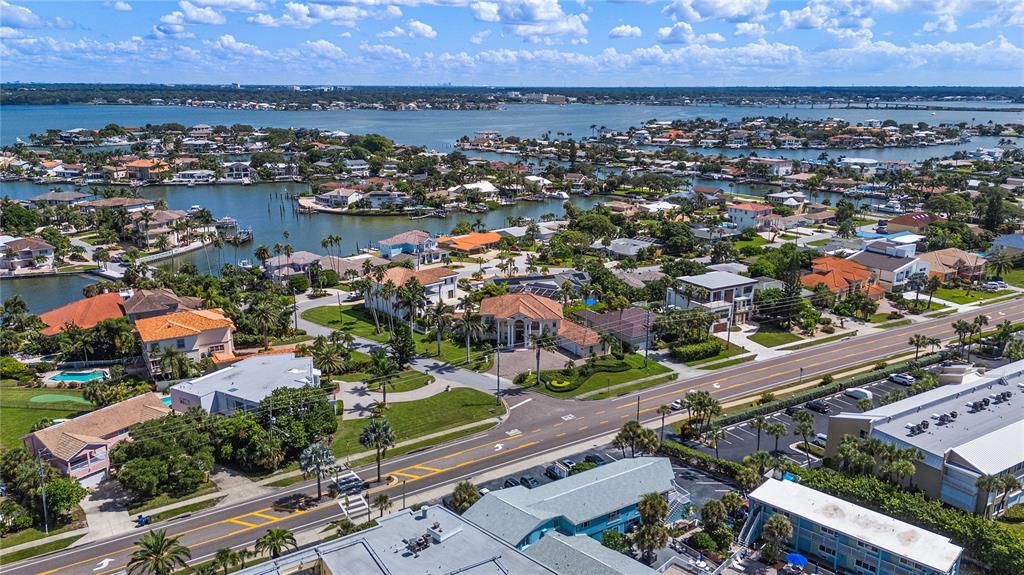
953 414
985 402
924 424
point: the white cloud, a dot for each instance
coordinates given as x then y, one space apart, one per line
175 17
233 5
396 32
625 31
419 29
121 6
729 10
1003 13
345 34
942 23
200 14
682 33
14 16
384 52
751 29
8 32
324 49
536 21
229 45
485 11
301 15
480 37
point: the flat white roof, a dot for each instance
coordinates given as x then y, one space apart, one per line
903 539
996 452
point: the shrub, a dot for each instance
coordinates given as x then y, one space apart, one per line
828 328
298 284
14 369
700 459
827 379
696 351
701 541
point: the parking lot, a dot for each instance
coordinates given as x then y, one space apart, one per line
741 438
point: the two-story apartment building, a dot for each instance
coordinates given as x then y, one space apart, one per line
847 538
749 215
591 503
728 296
80 447
950 263
381 199
416 243
894 265
244 384
339 197
195 333
238 171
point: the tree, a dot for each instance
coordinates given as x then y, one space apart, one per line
651 534
543 341
317 459
378 436
637 438
759 423
732 503
158 554
663 411
439 318
713 436
713 515
988 484
464 496
226 558
777 530
804 427
472 326
304 414
918 341
275 542
865 404
776 430
402 346
1000 264
1007 484
614 540
382 503
383 369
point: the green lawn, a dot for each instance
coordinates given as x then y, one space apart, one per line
407 380
958 295
770 336
818 243
21 407
412 419
730 351
609 372
879 318
758 241
632 388
39 549
1015 277
165 499
359 322
730 363
33 534
818 341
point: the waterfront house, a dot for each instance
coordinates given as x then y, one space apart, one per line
787 198
417 243
776 167
84 313
244 384
80 447
238 171
195 333
471 243
842 277
438 285
143 303
350 264
147 170
847 538
24 254
200 131
482 190
337 197
727 296
950 263
894 265
197 146
150 225
750 216
129 205
381 199
591 503
58 198
542 231
281 267
358 168
620 248
193 177
914 222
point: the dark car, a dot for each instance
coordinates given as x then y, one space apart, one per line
528 481
793 409
552 472
595 458
511 482
818 405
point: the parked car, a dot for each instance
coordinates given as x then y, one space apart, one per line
793 409
858 393
511 482
902 379
552 472
819 405
595 458
529 481
994 285
676 405
568 463
820 440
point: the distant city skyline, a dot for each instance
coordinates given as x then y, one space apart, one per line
517 42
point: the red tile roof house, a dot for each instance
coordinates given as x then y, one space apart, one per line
512 319
748 215
80 447
195 333
85 313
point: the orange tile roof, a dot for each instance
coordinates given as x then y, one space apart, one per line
750 207
400 275
836 273
144 164
530 305
181 324
578 334
470 242
84 313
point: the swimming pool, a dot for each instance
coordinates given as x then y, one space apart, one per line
80 376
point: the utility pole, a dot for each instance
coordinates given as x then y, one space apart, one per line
647 336
497 361
801 376
42 479
403 494
638 409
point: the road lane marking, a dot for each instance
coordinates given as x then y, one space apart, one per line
243 523
425 468
404 474
603 422
523 402
583 428
563 434
264 516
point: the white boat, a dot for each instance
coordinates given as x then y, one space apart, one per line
192 210
245 264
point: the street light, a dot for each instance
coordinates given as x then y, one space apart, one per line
801 376
41 470
497 361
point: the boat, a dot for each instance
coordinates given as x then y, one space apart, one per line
890 207
192 210
245 264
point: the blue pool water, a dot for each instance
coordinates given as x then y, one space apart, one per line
80 376
590 301
166 400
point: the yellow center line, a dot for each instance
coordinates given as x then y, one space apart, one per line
409 475
584 428
563 434
264 516
557 424
243 523
425 468
599 412
603 422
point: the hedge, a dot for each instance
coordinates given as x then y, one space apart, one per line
984 540
695 351
824 390
700 459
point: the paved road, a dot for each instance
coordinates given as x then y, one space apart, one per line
540 426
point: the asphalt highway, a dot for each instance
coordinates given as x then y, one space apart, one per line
536 424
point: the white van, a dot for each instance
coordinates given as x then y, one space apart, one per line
858 393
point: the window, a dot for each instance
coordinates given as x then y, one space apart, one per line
585 524
826 550
864 545
828 531
867 567
613 516
180 344
216 348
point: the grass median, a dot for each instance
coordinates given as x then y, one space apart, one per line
605 373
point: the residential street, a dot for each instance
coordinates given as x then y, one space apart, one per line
541 426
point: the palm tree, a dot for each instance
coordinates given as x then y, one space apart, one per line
262 253
663 410
932 286
471 324
804 428
988 484
379 436
962 329
759 424
383 369
276 542
158 554
713 436
317 459
777 530
543 341
382 503
175 363
264 318
1000 264
1007 483
226 559
776 430
976 325
918 341
440 319
328 359
413 299
386 293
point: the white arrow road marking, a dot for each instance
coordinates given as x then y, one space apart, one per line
103 564
498 446
523 402
568 417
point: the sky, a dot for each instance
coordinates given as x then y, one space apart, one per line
516 42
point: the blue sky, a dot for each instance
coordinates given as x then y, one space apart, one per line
516 42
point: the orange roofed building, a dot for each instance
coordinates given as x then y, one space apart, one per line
146 169
85 313
474 243
842 277
195 333
513 319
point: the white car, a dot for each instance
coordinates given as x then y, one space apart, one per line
676 405
858 393
902 379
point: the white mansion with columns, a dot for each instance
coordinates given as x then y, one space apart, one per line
512 320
